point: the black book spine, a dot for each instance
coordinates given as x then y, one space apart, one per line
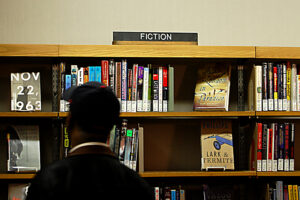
270 87
117 142
112 74
292 146
241 88
265 86
281 147
55 87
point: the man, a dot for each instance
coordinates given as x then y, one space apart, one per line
91 170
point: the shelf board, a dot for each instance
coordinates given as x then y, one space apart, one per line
278 52
157 51
196 174
16 176
295 173
181 114
277 113
30 50
28 114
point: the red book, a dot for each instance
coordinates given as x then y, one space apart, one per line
105 72
259 146
270 150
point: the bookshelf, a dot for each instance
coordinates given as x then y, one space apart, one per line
164 131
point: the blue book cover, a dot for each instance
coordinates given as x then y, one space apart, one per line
68 81
98 74
92 73
173 194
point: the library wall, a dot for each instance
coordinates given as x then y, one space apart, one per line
218 22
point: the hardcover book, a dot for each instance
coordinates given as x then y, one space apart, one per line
212 88
23 148
216 145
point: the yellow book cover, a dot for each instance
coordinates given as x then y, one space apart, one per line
295 192
212 88
290 189
216 145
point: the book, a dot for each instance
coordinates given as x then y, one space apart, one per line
281 147
295 192
23 148
216 145
80 77
292 147
270 150
275 147
171 89
74 72
112 74
145 89
280 86
149 104
66 140
17 191
290 191
160 89
123 86
134 88
165 90
156 193
98 72
240 99
212 88
294 88
123 140
118 85
286 146
105 72
55 88
128 145
288 85
25 91
258 87
141 148
259 147
265 87
264 148
298 93
270 87
140 89
284 88
85 74
275 86
129 89
62 68
92 73
279 189
155 89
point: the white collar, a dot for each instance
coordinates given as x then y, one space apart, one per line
88 144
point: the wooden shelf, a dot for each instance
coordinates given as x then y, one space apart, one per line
278 114
16 176
30 50
181 114
278 52
196 174
156 51
28 114
295 173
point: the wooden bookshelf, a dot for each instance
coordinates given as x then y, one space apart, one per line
283 174
156 51
28 114
181 114
278 52
32 50
278 114
197 174
16 176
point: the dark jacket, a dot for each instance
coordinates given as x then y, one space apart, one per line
90 172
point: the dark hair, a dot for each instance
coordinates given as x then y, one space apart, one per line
94 110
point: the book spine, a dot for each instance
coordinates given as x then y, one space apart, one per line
173 194
298 93
91 73
145 89
288 85
284 85
275 83
112 74
68 81
281 147
112 138
156 193
118 80
105 72
265 86
171 89
129 90
295 192
286 147
140 89
292 147
123 141
294 88
240 99
62 87
124 86
55 88
270 87
182 194
160 89
165 89
66 141
270 150
258 87
74 71
149 104
279 189
135 150
280 87
134 88
128 142
259 147
117 141
264 148
85 75
132 149
98 72
80 76
141 148
275 146
285 192
155 89
290 189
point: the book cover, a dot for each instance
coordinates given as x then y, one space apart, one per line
156 193
259 147
265 86
74 72
288 85
285 192
212 88
17 191
129 90
275 82
240 96
124 86
292 147
286 146
98 72
270 87
117 141
173 194
165 89
216 145
25 91
134 88
105 72
112 74
155 89
258 87
23 148
135 148
140 89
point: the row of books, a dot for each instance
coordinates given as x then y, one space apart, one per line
140 88
282 191
275 146
277 87
169 193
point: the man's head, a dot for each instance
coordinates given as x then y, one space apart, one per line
94 109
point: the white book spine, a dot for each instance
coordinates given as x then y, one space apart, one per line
160 90
294 88
265 104
284 100
280 164
145 89
292 165
258 167
286 165
298 93
129 106
264 165
274 166
80 77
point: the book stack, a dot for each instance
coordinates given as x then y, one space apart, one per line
282 191
277 87
169 193
275 146
139 88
